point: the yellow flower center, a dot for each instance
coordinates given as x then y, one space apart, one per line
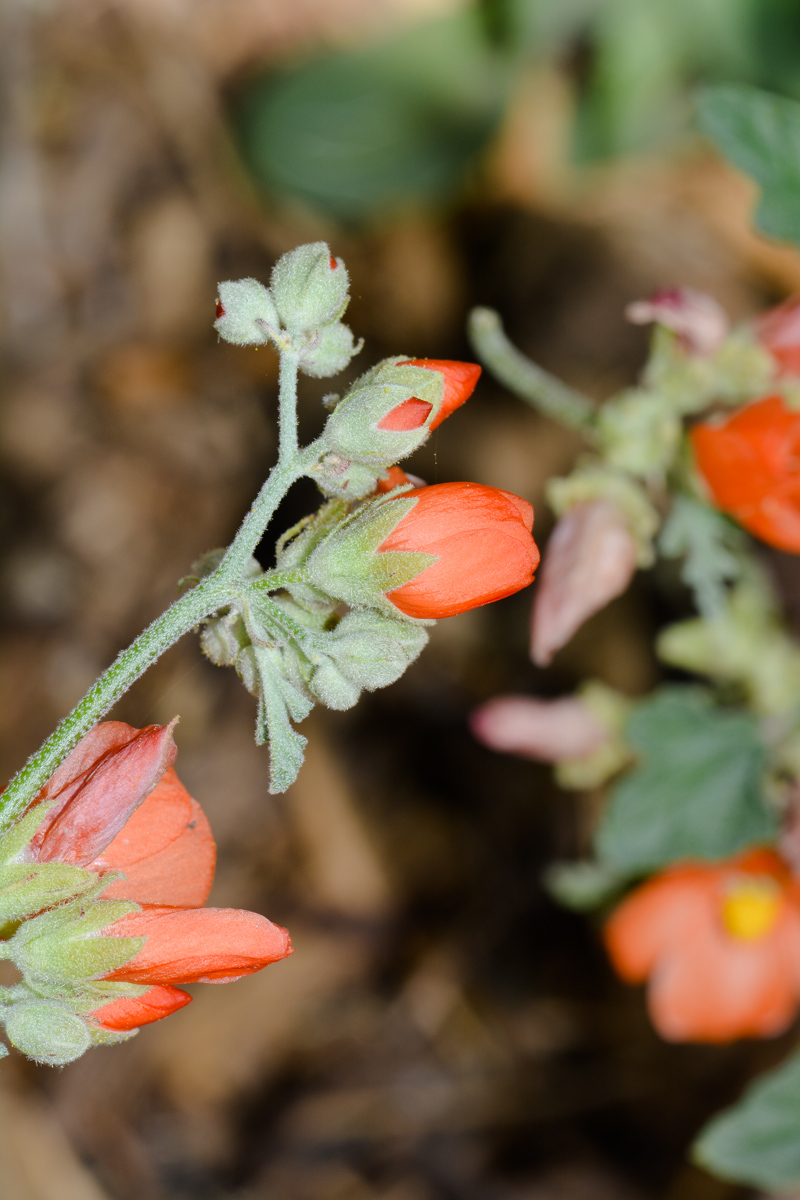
751 908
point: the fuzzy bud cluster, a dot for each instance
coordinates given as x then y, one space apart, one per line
299 311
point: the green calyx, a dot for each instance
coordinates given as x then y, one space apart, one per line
352 430
65 946
347 564
248 316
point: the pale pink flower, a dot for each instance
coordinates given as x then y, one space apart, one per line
700 323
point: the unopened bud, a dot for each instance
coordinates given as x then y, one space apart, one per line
386 414
590 558
699 322
544 730
245 312
329 351
332 687
374 651
46 1031
310 288
343 479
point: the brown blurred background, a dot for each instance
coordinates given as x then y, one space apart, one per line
444 1031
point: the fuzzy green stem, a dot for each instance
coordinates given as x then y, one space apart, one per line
531 383
212 593
287 407
104 693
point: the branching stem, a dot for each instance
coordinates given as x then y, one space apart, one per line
211 594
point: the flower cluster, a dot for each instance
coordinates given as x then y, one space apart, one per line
102 887
699 783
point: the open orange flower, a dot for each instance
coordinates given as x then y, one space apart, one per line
481 538
719 944
751 463
118 806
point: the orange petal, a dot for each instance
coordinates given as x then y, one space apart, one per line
198 945
129 1012
717 989
166 851
671 910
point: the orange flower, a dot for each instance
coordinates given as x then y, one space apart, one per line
481 538
751 463
779 331
460 379
719 944
117 805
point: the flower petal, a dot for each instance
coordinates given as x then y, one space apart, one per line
129 1012
198 945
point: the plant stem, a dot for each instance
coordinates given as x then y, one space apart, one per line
182 616
287 407
210 594
541 390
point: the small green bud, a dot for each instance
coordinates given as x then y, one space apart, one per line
373 651
639 431
371 424
329 351
222 638
309 287
246 313
46 1031
339 477
247 670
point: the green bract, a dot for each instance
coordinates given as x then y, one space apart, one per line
347 564
308 291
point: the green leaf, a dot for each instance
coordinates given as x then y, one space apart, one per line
286 745
361 132
760 133
696 791
708 541
582 885
758 1140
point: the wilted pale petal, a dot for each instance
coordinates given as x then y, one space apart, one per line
590 558
545 730
700 323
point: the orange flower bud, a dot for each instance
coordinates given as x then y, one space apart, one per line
460 379
720 945
481 539
751 463
197 945
129 1012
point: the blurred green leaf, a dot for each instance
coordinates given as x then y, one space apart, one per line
359 133
582 885
758 1140
710 545
760 133
696 791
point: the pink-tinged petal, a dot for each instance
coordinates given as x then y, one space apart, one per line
779 331
672 911
108 796
98 742
700 323
198 945
718 989
544 730
130 1012
166 850
590 559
